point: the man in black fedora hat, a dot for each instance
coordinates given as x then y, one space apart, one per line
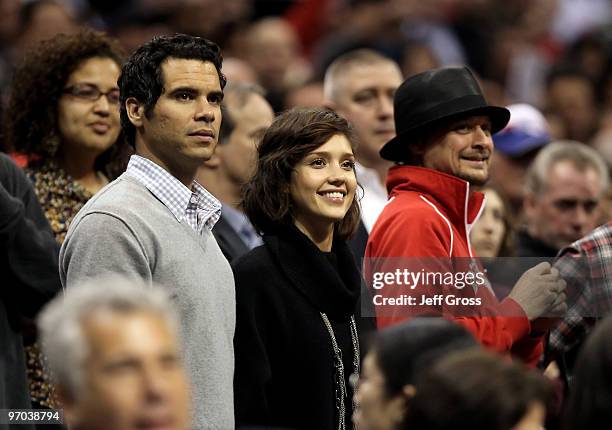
443 147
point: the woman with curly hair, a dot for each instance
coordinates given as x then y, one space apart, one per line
63 114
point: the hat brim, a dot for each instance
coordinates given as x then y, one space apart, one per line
396 149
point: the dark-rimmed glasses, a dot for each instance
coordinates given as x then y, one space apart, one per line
92 93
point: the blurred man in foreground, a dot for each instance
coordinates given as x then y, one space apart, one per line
114 353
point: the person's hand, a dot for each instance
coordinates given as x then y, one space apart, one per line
540 292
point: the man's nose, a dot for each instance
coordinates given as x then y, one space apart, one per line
581 219
385 106
205 112
482 137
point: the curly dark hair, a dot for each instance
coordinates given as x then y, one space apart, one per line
142 78
30 124
292 135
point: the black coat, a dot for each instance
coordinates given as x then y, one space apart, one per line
358 243
29 277
529 246
284 357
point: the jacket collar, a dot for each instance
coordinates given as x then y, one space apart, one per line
312 273
462 205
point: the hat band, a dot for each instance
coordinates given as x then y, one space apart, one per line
452 107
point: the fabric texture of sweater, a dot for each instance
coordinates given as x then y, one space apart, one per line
430 214
284 357
125 230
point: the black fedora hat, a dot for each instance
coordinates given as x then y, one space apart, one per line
435 95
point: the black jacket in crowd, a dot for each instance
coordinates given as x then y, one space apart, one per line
29 278
284 358
529 246
229 241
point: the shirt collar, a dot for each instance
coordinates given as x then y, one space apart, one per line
463 205
172 192
208 204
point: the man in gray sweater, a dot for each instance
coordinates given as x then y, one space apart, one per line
154 222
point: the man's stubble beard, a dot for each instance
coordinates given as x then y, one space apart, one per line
478 182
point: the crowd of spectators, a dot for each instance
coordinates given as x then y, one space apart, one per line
63 70
553 54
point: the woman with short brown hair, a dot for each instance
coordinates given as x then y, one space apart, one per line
296 341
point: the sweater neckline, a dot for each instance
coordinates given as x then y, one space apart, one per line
332 288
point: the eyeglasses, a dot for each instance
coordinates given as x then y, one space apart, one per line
92 93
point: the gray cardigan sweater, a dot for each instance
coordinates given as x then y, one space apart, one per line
125 229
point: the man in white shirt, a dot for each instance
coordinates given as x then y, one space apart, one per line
360 86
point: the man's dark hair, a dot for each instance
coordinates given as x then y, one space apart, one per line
142 78
422 138
292 135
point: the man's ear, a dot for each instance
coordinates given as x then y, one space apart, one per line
135 111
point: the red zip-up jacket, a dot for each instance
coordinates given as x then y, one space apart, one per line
430 214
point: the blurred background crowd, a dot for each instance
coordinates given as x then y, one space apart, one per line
554 54
549 61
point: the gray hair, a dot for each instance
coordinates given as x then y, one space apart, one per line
581 156
60 322
338 67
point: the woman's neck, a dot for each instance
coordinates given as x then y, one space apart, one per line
322 237
80 166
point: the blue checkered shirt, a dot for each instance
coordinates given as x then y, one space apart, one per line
197 207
